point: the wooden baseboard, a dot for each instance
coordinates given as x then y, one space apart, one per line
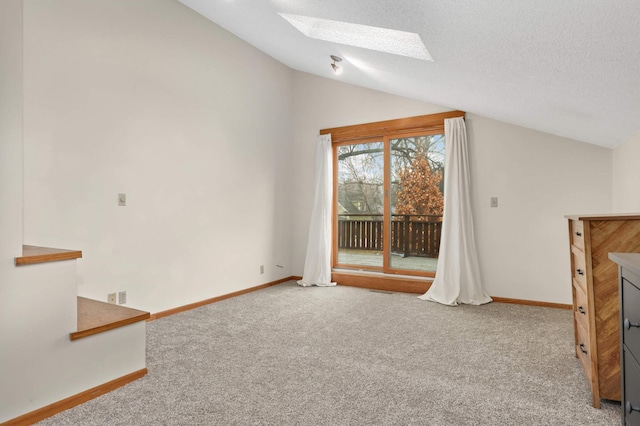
190 306
410 285
72 401
531 303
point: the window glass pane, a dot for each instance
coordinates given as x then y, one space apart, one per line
360 207
416 200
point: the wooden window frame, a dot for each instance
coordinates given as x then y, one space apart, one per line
432 123
383 131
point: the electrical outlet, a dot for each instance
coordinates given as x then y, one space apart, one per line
122 298
111 298
262 269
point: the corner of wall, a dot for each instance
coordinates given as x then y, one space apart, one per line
626 176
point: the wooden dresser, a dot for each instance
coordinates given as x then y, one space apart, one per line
595 296
630 323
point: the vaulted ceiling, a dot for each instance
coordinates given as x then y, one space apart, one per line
566 67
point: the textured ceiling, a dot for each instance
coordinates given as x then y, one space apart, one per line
567 67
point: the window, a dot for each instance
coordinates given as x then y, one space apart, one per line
388 194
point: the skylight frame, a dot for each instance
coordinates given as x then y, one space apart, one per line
385 40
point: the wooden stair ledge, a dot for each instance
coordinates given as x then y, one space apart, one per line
35 254
96 317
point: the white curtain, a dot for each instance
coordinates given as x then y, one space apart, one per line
458 272
317 264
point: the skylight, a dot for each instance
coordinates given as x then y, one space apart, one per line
373 38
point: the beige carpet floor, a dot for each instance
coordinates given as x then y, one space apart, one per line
288 355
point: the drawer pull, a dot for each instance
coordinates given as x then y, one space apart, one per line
582 348
579 234
628 324
581 310
580 271
630 408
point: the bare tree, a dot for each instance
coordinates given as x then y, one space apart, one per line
361 170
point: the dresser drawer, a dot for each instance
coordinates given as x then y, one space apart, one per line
583 349
582 307
579 269
577 234
631 401
631 317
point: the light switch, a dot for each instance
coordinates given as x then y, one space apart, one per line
494 201
122 199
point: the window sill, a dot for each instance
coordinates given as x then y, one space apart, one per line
381 281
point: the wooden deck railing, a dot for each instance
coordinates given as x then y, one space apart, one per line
411 234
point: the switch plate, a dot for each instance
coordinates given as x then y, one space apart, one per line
111 298
262 269
122 298
122 199
494 201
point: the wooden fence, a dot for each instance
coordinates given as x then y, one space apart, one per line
411 234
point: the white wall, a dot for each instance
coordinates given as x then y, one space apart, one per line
538 178
12 284
10 134
626 176
39 364
150 99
